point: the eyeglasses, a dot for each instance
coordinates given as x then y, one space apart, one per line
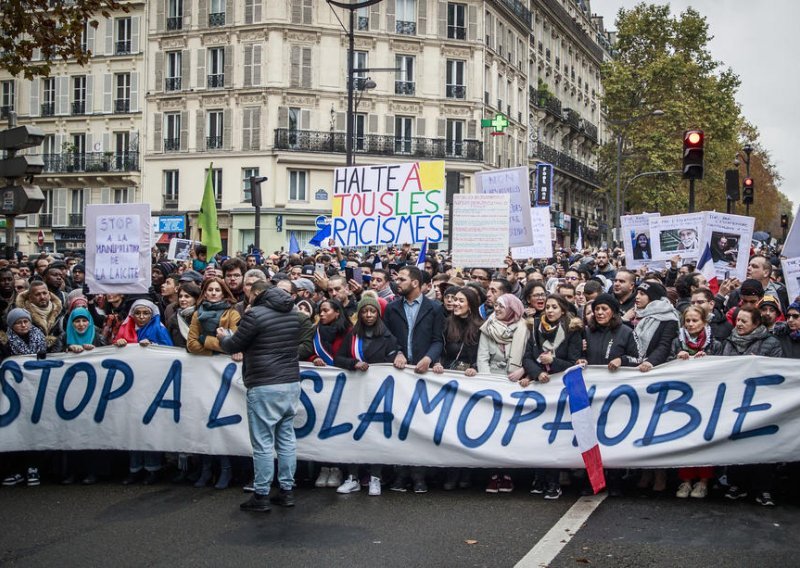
793 316
538 295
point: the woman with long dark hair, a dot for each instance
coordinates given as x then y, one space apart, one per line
534 295
181 319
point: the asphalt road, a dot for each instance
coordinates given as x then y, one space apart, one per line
165 525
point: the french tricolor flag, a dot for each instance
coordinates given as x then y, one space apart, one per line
584 425
705 266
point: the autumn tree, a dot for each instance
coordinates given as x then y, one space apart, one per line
55 27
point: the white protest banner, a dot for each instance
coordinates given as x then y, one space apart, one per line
729 237
677 235
118 248
791 275
180 249
514 182
636 240
480 229
791 245
709 411
542 246
386 204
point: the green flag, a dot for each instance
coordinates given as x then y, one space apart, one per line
207 219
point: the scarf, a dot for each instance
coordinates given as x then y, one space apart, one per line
35 343
650 317
694 345
515 334
45 318
75 338
323 343
209 314
153 331
184 318
552 335
742 342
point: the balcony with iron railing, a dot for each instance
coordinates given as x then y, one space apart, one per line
404 87
69 162
78 108
170 201
172 84
76 219
175 23
45 220
405 28
519 10
216 81
590 130
456 91
172 144
379 145
123 47
5 111
213 142
48 109
566 163
456 32
216 19
122 106
572 118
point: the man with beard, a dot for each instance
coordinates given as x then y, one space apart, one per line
45 309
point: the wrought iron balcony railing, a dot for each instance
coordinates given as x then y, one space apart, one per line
170 201
175 23
566 163
172 84
377 144
45 219
76 219
213 142
406 28
216 19
123 47
216 81
456 32
172 144
404 87
78 107
519 10
122 105
91 162
48 109
456 91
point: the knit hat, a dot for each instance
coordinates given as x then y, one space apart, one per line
369 300
17 314
80 267
653 290
794 306
608 300
166 268
769 300
752 287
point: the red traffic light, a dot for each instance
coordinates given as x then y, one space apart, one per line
748 182
693 138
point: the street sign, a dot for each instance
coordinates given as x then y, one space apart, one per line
171 224
40 238
321 195
544 184
321 221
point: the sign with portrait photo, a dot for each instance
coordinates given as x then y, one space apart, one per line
729 237
680 235
636 240
791 275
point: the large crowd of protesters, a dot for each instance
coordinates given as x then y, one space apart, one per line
524 322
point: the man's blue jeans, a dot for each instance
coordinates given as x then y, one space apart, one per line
270 414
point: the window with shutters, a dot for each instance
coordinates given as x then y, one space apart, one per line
406 19
123 195
78 148
404 77
122 98
216 184
46 215
455 87
403 134
174 14
300 72
214 126
49 96
172 82
360 61
247 173
456 21
216 15
298 182
122 30
77 202
252 11
85 36
251 129
7 98
294 127
362 19
359 132
171 188
302 11
252 65
79 95
216 67
454 140
172 131
122 151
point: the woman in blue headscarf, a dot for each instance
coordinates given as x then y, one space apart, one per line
81 334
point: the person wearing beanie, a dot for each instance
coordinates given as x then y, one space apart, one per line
368 342
770 308
655 326
749 295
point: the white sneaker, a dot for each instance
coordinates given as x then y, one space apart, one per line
374 485
700 490
335 478
324 475
684 489
351 485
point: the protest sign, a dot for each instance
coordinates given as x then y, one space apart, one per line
388 204
709 411
514 182
180 249
118 248
677 235
636 240
729 237
542 246
480 229
791 245
791 275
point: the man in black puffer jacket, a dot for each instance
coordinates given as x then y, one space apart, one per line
267 336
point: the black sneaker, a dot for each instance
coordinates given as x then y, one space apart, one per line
283 498
538 487
765 499
133 477
256 504
420 486
553 491
399 484
733 493
151 478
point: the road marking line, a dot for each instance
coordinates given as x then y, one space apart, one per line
561 533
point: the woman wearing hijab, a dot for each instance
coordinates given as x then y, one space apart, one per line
81 334
500 350
554 346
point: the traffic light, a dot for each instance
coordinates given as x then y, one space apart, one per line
748 191
22 198
693 154
784 221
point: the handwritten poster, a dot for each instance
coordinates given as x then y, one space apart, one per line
514 182
118 248
542 246
480 229
680 235
729 237
388 204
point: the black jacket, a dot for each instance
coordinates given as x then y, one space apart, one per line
597 344
791 347
659 347
376 350
565 354
426 338
762 343
268 335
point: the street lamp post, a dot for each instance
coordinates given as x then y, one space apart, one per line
620 142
